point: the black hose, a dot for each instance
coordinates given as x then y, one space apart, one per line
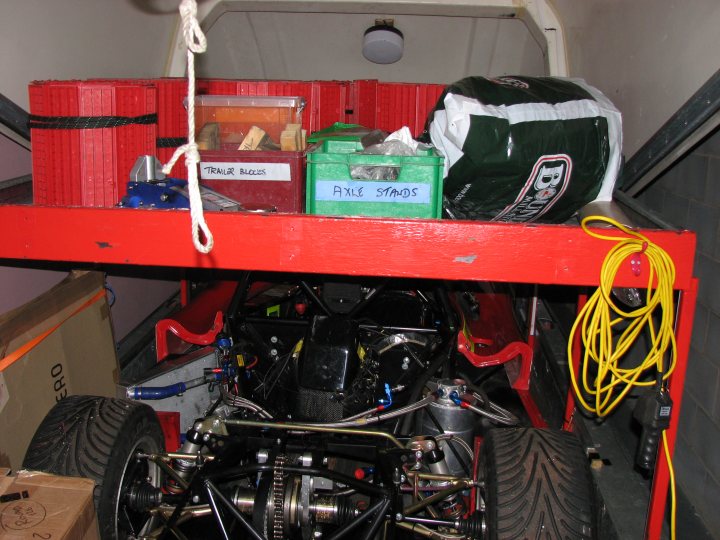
472 386
420 383
379 518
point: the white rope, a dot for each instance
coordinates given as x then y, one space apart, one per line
196 43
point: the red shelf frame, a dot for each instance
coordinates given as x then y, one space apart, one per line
452 250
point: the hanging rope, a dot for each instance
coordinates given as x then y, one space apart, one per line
196 43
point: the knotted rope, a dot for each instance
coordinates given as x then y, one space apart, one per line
196 43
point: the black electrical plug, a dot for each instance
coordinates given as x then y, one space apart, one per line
653 412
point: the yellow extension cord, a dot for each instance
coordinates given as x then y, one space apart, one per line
609 385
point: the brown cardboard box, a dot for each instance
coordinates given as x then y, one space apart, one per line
77 356
39 505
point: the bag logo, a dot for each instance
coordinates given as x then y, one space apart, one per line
546 184
510 81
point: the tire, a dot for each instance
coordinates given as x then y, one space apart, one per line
537 485
97 437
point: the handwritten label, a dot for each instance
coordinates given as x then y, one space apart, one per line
22 515
275 172
361 191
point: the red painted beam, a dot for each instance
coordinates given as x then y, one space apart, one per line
455 250
661 478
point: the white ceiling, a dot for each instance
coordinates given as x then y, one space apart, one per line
307 46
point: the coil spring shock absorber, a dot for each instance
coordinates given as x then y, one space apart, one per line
185 467
194 441
429 453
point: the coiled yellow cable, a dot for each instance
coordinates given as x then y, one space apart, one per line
606 347
610 383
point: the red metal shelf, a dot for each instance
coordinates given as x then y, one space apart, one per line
454 250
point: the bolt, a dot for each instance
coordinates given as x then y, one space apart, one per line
196 499
206 437
398 517
273 352
273 339
403 478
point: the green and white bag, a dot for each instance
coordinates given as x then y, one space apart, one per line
525 148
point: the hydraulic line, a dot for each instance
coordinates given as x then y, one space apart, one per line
243 403
364 418
321 429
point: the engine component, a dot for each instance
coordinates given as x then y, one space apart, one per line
295 504
330 422
330 358
327 368
445 417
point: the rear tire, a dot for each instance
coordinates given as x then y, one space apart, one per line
537 485
97 438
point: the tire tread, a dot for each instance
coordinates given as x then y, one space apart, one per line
90 436
538 485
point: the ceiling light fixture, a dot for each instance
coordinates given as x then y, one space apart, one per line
383 43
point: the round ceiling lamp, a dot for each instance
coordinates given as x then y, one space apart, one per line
383 43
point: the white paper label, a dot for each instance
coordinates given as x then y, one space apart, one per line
275 172
362 191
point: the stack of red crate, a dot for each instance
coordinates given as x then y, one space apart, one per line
390 106
81 166
90 166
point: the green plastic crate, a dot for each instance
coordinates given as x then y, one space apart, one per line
330 190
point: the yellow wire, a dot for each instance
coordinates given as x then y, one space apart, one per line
673 501
605 347
608 384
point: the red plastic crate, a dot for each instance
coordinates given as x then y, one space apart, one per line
172 120
89 166
259 180
390 106
326 102
172 115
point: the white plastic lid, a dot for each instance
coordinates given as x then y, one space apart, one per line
383 44
293 102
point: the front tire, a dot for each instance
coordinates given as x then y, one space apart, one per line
537 485
98 438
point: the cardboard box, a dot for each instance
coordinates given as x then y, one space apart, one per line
58 344
39 505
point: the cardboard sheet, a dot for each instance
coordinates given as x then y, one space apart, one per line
77 356
38 505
